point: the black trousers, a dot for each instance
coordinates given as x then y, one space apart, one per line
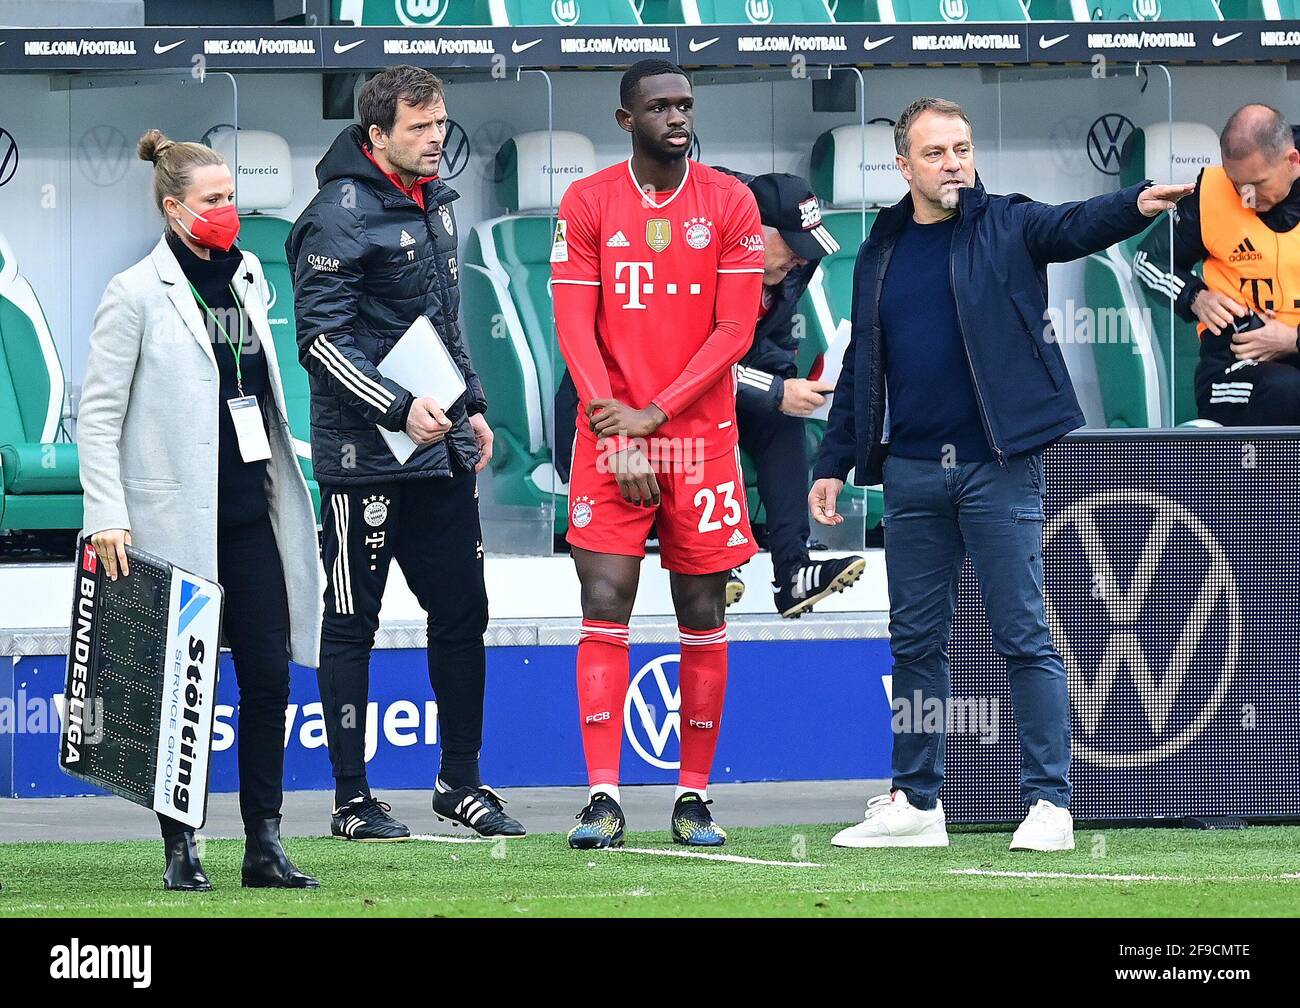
255 625
431 528
775 441
1247 393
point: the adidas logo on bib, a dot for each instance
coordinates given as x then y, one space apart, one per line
737 539
407 240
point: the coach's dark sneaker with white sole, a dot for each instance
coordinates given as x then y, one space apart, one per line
600 824
735 587
812 582
365 818
479 808
693 825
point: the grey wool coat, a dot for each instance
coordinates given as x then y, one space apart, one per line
148 434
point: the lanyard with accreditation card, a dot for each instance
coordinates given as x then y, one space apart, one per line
245 414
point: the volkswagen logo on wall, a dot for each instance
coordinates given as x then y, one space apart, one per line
455 151
1106 138
652 715
1154 676
103 154
8 156
421 13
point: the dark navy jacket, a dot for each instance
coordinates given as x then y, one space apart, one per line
1000 251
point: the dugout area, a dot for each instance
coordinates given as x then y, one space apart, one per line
1049 120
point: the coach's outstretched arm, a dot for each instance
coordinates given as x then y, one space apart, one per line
1074 230
327 271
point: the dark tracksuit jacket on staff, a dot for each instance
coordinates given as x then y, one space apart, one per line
937 510
368 258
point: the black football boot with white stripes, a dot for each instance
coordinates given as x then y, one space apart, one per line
365 818
479 808
735 586
812 582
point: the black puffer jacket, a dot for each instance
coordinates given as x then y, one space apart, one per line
366 262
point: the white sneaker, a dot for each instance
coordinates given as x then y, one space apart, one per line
892 821
1047 828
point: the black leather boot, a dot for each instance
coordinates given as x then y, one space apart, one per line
266 865
184 872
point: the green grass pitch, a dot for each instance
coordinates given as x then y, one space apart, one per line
1255 872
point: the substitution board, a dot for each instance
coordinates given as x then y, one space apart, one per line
141 685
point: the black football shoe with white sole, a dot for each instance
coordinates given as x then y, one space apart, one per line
366 819
813 581
692 824
479 808
601 824
735 587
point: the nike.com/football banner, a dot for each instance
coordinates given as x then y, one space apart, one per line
141 684
1172 584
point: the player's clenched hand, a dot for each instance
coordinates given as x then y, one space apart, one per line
801 396
821 501
609 418
110 546
426 423
635 477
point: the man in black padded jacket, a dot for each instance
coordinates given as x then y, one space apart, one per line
373 251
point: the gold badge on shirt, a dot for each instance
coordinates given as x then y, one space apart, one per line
658 233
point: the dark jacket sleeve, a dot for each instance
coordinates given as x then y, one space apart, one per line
1151 262
1074 230
839 448
325 256
475 400
758 391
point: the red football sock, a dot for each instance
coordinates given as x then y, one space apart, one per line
703 679
602 687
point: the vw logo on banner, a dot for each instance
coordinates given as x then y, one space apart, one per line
1119 689
652 715
565 12
1106 138
758 11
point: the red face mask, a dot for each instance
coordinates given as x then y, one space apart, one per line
215 229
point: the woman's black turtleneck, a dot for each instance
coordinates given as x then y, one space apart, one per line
241 486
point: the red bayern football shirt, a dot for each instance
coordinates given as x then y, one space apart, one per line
656 259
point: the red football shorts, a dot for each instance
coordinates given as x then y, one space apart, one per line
702 518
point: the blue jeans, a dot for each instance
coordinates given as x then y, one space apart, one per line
934 516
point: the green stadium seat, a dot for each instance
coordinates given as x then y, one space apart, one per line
1134 345
498 13
264 182
929 11
507 317
1146 10
736 12
412 13
40 488
1260 10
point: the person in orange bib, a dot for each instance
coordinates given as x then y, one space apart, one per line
1243 224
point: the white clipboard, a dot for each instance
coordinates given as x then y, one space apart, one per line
421 364
832 364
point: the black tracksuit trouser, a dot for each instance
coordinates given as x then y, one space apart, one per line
430 526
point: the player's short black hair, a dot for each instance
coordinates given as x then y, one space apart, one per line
645 68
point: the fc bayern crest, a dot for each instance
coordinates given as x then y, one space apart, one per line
699 232
445 214
582 512
376 510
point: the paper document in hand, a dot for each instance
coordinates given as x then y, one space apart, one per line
832 363
421 364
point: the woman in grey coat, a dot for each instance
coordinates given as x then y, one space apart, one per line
181 348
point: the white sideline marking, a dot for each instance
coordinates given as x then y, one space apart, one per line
733 858
1096 877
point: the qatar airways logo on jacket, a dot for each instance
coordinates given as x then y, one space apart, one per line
324 264
636 280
